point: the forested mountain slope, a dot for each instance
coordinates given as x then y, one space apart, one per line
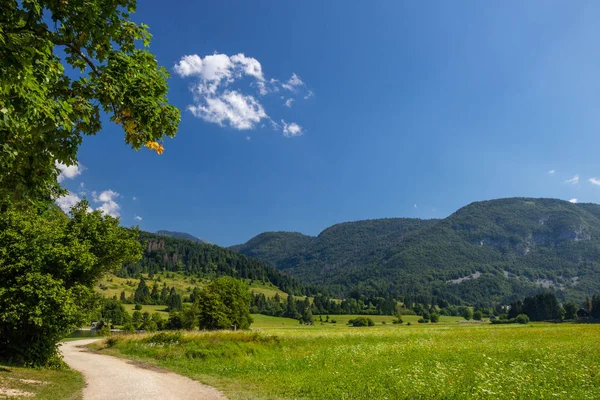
163 253
490 251
181 235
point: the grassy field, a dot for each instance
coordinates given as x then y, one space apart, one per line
111 285
162 310
44 384
267 322
452 361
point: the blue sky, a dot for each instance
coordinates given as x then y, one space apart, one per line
411 110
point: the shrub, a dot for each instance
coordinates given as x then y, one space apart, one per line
477 316
129 328
522 319
398 320
138 307
435 317
361 321
103 331
423 321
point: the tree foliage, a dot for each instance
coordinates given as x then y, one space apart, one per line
48 266
223 304
63 63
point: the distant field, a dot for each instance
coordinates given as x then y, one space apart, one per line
267 322
162 310
111 285
452 361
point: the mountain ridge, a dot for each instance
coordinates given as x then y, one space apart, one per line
514 246
181 235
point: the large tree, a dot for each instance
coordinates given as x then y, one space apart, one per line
63 63
48 266
223 304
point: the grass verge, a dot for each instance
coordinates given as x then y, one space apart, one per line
43 384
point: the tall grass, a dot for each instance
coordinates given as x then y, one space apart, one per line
385 362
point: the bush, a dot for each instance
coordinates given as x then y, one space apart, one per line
408 324
477 316
398 320
103 331
138 307
522 319
423 321
435 318
129 328
361 321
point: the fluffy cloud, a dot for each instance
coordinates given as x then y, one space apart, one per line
239 111
594 181
217 101
292 129
67 201
574 180
68 171
573 201
289 102
109 206
137 218
552 172
293 83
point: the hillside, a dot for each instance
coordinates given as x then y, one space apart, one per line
167 254
181 235
490 251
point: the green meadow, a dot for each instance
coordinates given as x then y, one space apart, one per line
434 361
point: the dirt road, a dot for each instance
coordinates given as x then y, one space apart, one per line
113 378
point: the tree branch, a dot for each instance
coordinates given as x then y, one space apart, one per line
80 54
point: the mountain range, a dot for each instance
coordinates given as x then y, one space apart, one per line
488 251
181 235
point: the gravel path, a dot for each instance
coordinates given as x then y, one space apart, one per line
113 378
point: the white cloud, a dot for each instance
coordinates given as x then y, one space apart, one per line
552 172
594 181
248 138
574 180
137 218
293 83
415 206
573 201
309 95
68 171
217 101
134 198
67 201
292 129
109 205
239 111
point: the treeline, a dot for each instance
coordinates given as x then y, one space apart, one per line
156 296
321 305
166 254
546 307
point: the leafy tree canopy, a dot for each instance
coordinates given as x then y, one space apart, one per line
48 265
62 63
